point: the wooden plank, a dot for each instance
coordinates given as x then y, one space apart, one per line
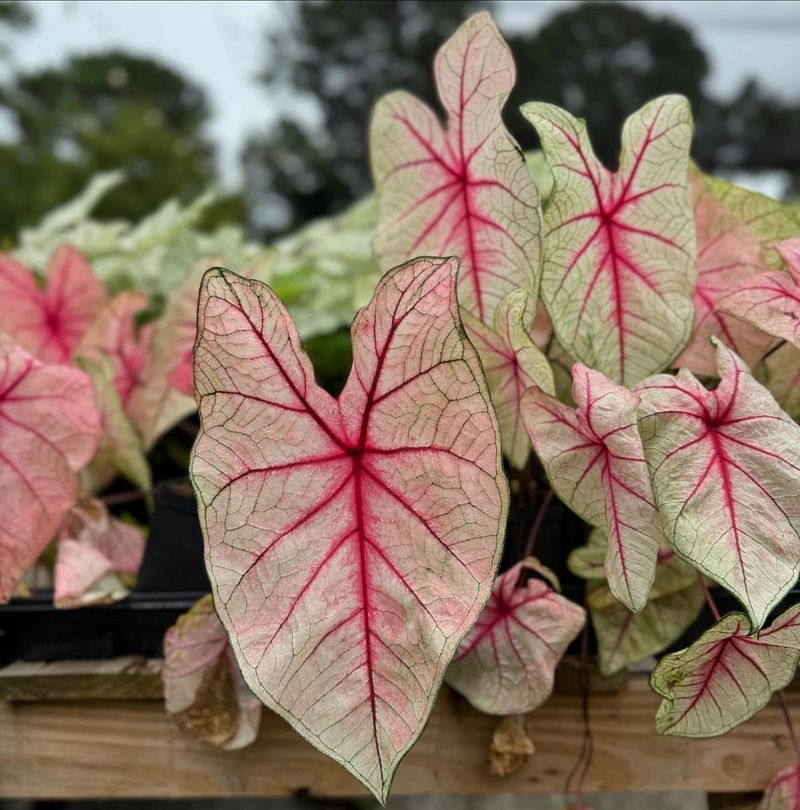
132 749
124 678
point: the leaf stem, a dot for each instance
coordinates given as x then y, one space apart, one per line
125 497
584 761
537 523
773 350
709 599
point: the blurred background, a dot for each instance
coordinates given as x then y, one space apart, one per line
269 102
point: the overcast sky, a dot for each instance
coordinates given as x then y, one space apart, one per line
220 46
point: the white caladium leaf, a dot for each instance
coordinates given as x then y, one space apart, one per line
619 248
771 301
513 363
713 456
728 252
593 457
783 792
507 661
204 692
726 676
49 429
94 550
466 190
350 543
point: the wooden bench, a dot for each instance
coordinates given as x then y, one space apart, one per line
62 737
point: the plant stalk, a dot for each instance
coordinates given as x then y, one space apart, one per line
537 523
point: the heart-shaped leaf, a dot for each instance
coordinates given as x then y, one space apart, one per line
771 301
50 322
728 252
49 428
594 459
507 661
726 676
351 543
466 190
783 792
725 467
619 248
203 689
93 550
114 334
512 363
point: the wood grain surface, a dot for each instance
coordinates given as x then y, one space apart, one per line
117 748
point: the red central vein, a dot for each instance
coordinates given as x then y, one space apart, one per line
363 574
464 176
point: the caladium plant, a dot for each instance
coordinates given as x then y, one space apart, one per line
352 542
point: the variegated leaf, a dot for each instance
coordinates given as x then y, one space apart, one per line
512 363
771 301
726 676
594 460
619 248
725 468
462 191
351 543
728 252
506 663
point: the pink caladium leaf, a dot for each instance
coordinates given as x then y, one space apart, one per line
512 363
594 459
203 689
728 252
50 322
49 429
507 661
619 248
114 334
771 300
465 190
166 396
783 792
714 456
120 449
726 676
94 549
351 543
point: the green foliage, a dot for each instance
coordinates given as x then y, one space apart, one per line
100 112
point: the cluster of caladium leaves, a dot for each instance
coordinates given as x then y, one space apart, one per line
75 364
352 541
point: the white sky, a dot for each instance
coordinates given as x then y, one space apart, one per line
220 45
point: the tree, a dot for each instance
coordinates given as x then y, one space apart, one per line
344 55
98 112
601 61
